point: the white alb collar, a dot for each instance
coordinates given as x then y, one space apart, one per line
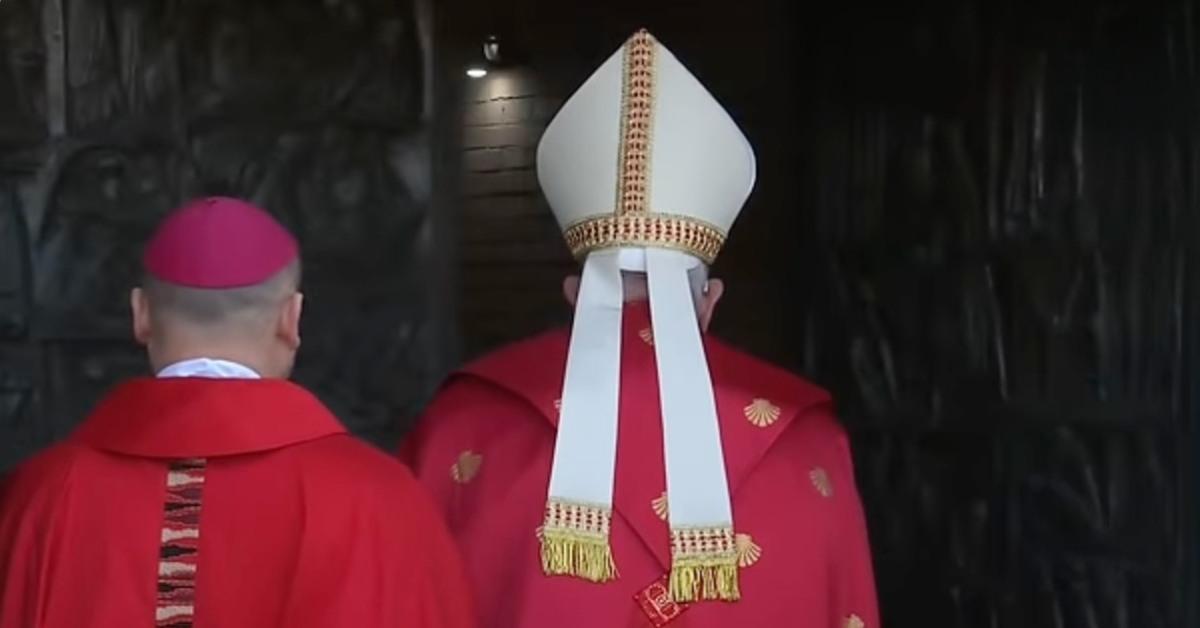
209 368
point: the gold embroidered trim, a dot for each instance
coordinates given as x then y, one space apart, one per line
748 552
854 621
821 482
466 467
762 413
637 117
632 223
704 565
670 231
574 539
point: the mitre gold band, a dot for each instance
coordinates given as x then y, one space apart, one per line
668 231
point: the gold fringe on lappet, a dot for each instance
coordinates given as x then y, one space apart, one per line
574 540
704 565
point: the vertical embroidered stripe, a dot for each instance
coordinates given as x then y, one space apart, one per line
180 540
637 118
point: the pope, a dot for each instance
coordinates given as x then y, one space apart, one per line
637 471
218 494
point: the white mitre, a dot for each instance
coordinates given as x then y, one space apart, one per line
645 172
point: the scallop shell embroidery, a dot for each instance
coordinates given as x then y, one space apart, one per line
466 467
748 552
762 413
821 482
659 504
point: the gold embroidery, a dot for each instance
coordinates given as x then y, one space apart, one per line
647 336
574 539
704 565
637 117
820 481
634 223
748 552
854 621
659 504
466 467
761 412
670 231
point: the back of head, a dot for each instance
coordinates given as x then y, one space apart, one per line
228 310
221 282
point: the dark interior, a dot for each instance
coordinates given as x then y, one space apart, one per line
975 222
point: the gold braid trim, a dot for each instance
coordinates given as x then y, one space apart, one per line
670 231
703 565
574 541
632 223
637 120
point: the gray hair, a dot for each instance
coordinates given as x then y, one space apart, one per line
203 307
698 280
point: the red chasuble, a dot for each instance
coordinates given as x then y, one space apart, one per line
221 504
484 451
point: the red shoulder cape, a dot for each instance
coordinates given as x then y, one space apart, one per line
276 518
194 417
533 371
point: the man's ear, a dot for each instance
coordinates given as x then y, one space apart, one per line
713 291
571 289
140 306
289 320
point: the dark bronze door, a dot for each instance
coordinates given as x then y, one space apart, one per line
1006 235
112 112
